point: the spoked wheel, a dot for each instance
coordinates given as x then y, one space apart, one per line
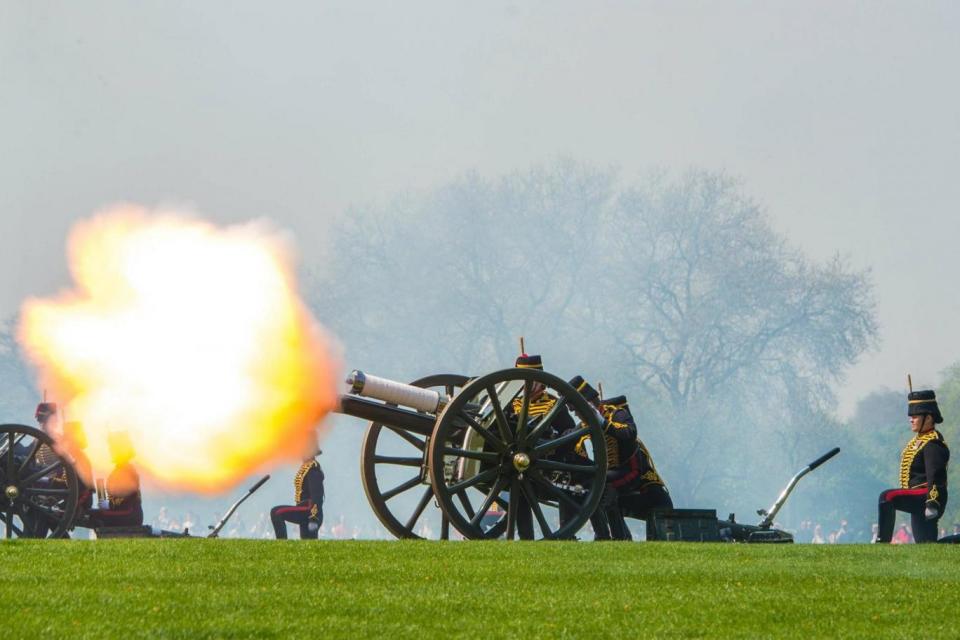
395 479
501 439
39 487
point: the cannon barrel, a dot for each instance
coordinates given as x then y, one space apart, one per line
375 399
394 392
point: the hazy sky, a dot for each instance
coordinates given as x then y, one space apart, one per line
842 118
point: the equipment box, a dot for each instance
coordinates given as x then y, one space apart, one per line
684 525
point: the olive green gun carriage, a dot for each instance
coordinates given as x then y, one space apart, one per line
468 453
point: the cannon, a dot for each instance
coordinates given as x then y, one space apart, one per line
479 453
41 489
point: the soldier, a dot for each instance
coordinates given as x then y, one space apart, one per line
634 487
307 510
923 474
124 504
540 404
607 511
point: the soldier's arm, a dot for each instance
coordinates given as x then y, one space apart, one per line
935 463
621 426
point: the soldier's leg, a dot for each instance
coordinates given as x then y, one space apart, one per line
279 524
600 524
283 514
618 525
924 530
893 500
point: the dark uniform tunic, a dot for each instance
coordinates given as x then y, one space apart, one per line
923 485
308 504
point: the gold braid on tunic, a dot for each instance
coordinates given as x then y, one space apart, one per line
299 478
913 448
539 406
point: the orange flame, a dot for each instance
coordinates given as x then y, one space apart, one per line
190 337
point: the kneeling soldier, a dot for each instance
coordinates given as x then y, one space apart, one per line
307 510
633 487
923 474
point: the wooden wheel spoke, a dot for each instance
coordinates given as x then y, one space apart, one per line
501 419
567 438
409 437
492 495
483 476
483 456
512 508
409 484
496 442
560 495
36 475
547 420
465 503
10 470
45 491
403 462
531 497
424 501
524 412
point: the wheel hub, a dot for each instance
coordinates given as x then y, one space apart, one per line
12 492
521 462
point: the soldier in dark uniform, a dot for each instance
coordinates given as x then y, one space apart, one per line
923 474
607 510
124 506
540 404
307 508
634 487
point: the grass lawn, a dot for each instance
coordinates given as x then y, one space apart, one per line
244 588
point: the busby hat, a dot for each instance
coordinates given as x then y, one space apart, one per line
588 392
617 400
924 402
44 411
529 362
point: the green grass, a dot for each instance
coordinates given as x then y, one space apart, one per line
240 588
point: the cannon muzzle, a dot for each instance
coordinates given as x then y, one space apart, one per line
392 392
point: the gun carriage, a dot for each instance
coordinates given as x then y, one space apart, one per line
475 450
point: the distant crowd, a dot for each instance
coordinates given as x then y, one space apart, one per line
815 533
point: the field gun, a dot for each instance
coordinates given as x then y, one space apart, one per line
472 447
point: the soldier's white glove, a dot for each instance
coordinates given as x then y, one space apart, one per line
931 512
313 526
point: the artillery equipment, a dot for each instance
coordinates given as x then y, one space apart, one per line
487 452
701 525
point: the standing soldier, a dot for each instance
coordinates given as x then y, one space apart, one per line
923 474
307 508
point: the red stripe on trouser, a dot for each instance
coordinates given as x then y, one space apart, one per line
633 473
283 510
899 493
